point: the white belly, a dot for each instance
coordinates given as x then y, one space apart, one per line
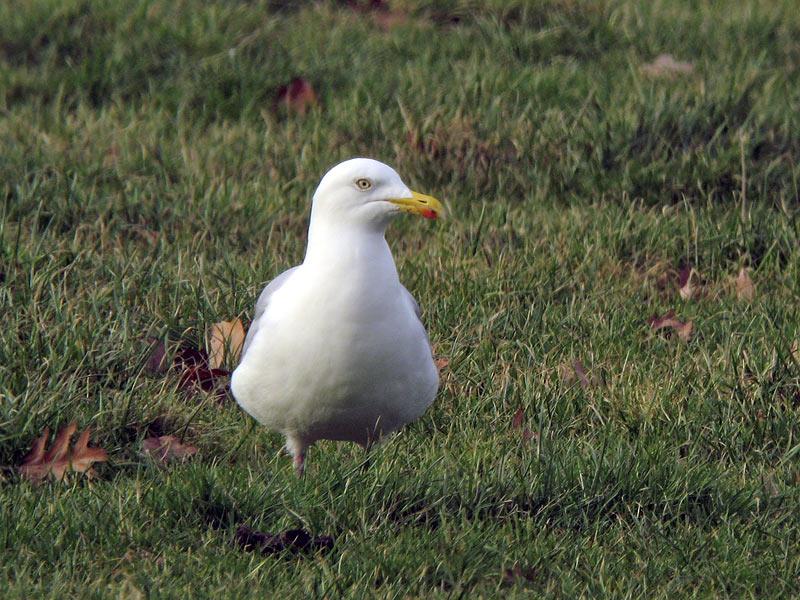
349 364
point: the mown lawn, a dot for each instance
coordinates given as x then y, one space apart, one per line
152 181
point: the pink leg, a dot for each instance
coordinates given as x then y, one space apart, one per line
299 461
297 448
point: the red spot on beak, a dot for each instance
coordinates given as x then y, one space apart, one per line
428 213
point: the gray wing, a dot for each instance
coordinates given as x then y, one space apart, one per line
261 306
415 306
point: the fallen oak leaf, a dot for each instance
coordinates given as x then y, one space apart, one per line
580 371
518 422
34 466
686 287
191 364
195 374
189 356
166 448
668 321
83 457
745 290
225 341
149 236
569 372
38 464
156 363
297 96
291 541
518 419
517 573
205 379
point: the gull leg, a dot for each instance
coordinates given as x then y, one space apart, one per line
299 460
297 448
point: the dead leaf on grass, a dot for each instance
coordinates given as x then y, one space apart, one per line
195 373
575 370
668 321
205 379
156 363
166 448
580 371
517 574
441 363
38 463
665 65
297 96
686 284
518 422
225 341
188 355
745 290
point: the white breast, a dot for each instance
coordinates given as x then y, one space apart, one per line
339 354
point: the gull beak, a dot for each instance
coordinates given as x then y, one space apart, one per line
426 206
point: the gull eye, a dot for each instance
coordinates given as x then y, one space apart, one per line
363 184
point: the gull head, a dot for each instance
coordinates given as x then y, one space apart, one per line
362 191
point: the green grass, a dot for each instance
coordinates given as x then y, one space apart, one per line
150 187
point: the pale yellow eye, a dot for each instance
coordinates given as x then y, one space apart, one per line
363 184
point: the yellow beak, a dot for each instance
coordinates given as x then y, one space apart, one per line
426 206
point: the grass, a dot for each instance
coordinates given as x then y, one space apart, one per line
150 186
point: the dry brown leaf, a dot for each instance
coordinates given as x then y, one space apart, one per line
225 341
38 464
686 287
166 448
665 65
297 96
157 357
442 363
569 372
518 422
580 371
668 321
518 419
684 330
207 380
195 374
517 573
83 457
745 290
148 235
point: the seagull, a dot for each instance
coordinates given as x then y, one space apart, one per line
336 349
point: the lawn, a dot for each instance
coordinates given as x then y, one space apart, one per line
155 174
